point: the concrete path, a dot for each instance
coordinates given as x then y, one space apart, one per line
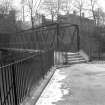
81 84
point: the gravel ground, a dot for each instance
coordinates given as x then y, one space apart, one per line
81 84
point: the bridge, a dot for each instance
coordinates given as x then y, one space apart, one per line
29 56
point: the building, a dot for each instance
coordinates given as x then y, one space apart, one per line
83 22
41 20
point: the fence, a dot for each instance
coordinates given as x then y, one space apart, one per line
17 79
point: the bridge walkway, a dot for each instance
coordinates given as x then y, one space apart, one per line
78 84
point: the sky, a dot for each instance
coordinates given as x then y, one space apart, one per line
17 5
101 3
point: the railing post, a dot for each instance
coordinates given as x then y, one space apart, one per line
99 52
57 46
57 35
14 84
78 38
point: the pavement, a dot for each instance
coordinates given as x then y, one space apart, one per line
80 84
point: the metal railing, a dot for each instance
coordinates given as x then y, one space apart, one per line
16 79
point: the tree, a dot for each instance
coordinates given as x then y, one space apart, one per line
99 16
103 17
50 7
56 7
8 22
23 10
79 4
92 4
67 6
32 6
92 7
5 7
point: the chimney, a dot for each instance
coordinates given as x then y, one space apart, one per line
43 19
74 12
83 15
67 12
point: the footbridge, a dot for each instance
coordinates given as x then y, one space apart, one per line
28 57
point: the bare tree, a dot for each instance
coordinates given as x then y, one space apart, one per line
56 7
103 17
79 4
32 6
50 8
5 7
92 4
23 10
67 6
99 16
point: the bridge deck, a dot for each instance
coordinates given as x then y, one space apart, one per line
81 84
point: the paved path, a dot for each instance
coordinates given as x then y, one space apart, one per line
81 84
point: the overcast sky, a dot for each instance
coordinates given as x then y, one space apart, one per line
100 2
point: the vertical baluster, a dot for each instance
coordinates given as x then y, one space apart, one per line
27 79
10 85
21 80
3 86
0 96
18 81
14 83
0 87
24 78
6 84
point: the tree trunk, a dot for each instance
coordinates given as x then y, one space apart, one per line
32 22
52 18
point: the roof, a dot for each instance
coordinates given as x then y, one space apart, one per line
73 16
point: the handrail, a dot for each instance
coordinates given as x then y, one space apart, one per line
21 75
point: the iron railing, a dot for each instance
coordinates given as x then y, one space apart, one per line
16 79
